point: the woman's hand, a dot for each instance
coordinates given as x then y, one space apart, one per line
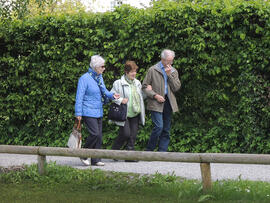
125 100
116 96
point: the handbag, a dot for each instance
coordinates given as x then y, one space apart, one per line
75 137
118 112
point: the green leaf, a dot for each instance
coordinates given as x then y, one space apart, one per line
242 36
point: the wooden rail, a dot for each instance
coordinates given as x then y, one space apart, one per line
203 158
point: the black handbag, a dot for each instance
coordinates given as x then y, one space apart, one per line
118 112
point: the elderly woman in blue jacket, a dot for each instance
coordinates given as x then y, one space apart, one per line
90 97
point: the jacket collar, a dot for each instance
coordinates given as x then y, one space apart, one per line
124 82
158 67
93 73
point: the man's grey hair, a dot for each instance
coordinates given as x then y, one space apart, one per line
167 52
96 61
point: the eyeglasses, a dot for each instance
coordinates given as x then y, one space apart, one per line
168 61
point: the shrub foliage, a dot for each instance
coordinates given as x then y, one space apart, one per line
222 55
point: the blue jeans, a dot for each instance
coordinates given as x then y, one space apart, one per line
161 130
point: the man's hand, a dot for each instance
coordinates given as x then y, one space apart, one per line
148 88
168 69
159 98
79 118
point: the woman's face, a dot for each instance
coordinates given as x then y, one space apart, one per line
99 70
131 74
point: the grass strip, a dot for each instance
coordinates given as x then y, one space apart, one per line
66 184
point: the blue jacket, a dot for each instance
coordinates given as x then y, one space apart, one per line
89 100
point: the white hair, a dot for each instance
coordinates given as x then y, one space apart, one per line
96 61
167 52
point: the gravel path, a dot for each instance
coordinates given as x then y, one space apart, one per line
186 170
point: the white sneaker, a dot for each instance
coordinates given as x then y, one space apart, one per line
85 162
99 163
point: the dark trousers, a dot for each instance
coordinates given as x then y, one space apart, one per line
161 132
94 140
127 134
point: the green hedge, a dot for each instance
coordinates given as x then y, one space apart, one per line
222 55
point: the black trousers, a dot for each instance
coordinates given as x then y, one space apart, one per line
94 140
127 134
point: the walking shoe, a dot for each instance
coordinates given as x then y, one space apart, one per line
85 162
98 164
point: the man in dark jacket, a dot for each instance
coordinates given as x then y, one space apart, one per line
161 101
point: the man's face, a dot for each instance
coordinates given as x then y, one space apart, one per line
168 61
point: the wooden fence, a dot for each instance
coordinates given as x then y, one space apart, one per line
203 158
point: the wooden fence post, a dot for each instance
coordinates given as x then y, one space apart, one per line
206 176
41 164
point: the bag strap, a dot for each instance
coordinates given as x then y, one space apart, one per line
78 125
123 91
